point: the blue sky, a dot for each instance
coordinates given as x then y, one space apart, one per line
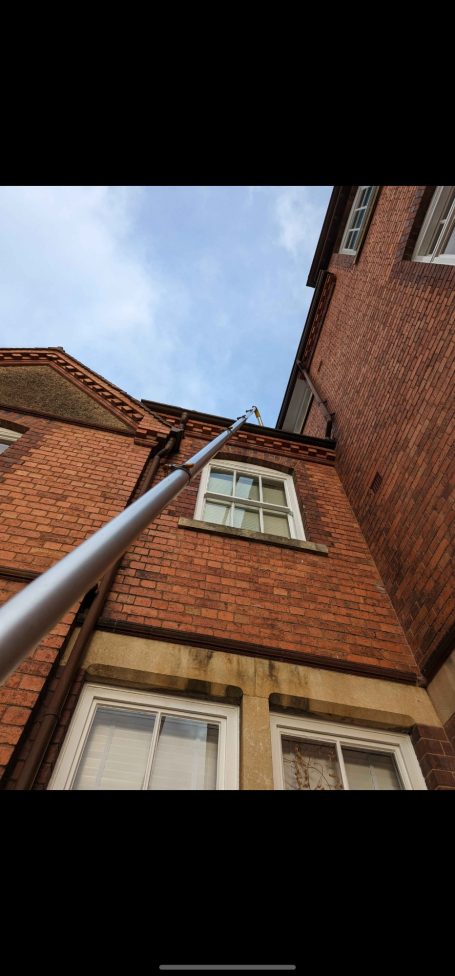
190 295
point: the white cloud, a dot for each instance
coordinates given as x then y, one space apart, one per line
299 220
74 274
65 265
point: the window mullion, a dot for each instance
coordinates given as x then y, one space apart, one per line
445 230
280 509
341 764
372 773
261 520
151 755
250 503
218 497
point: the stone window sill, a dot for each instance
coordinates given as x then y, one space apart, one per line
269 540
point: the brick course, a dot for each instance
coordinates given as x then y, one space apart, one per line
436 756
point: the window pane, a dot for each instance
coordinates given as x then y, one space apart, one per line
3 447
221 481
370 770
273 492
358 217
449 248
276 525
116 752
186 755
247 518
310 765
429 248
247 487
214 512
351 241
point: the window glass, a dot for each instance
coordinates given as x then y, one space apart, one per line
310 765
317 754
269 501
370 771
247 487
245 518
276 525
115 755
123 739
436 241
221 482
214 512
186 755
360 210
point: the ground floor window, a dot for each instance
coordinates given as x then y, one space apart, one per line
313 755
130 740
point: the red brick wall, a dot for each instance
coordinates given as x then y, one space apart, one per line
315 423
20 692
58 484
243 590
436 756
385 364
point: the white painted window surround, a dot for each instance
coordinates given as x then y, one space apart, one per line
356 222
251 497
8 437
436 241
309 754
121 739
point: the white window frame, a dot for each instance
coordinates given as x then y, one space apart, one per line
225 716
437 206
362 226
8 437
291 509
392 743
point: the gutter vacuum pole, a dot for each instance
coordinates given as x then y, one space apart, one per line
27 617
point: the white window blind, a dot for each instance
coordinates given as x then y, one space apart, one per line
186 755
131 740
117 749
370 771
122 754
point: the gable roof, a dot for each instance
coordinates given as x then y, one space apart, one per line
97 399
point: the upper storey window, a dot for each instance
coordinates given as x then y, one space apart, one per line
248 497
358 217
436 241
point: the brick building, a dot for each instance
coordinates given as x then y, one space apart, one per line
376 366
255 635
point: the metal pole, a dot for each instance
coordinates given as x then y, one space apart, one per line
29 615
